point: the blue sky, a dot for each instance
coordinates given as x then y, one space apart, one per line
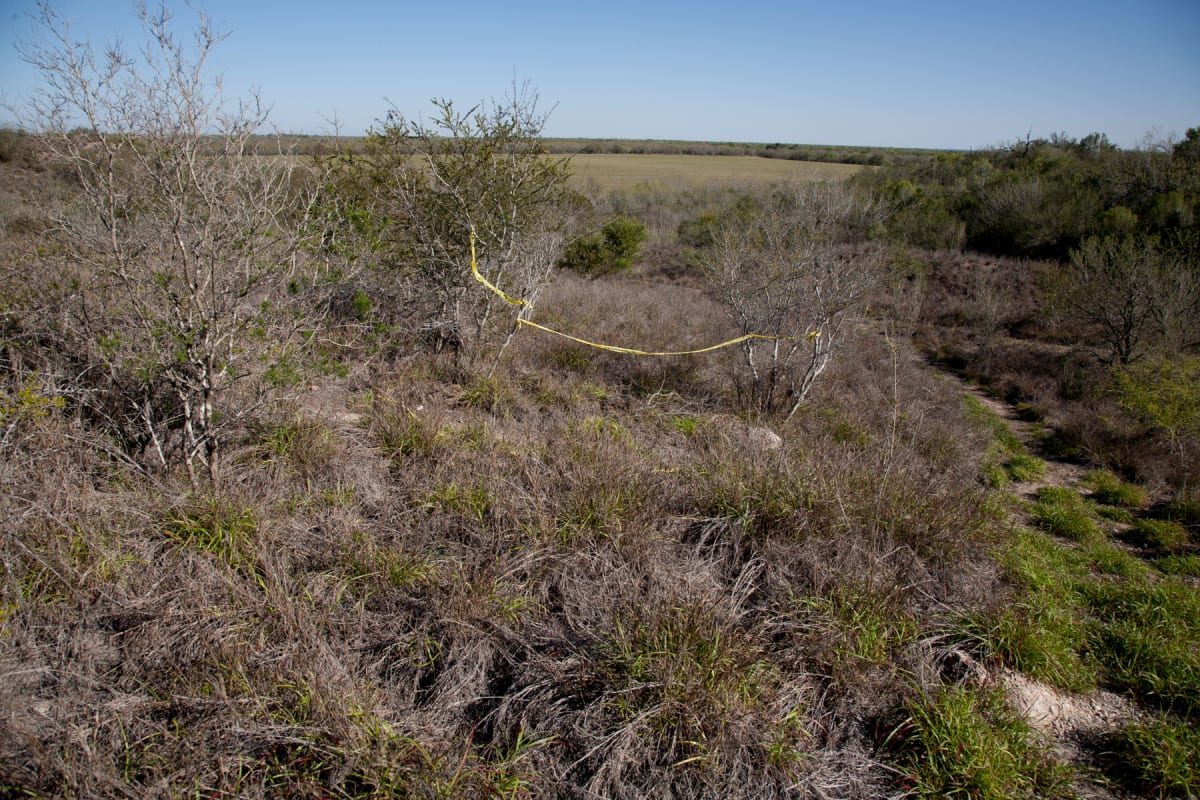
918 73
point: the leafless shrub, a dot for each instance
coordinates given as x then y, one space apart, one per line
179 239
1132 295
784 275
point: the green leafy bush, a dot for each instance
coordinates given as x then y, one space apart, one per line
612 249
1165 392
698 231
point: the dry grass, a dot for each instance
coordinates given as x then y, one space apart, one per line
600 585
585 575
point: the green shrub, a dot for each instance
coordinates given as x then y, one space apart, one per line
623 238
612 249
17 147
698 231
1029 412
586 255
1165 392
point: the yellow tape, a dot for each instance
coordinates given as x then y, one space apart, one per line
512 301
633 352
515 301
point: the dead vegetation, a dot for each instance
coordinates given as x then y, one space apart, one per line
583 575
535 568
556 585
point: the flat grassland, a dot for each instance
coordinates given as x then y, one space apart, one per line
625 170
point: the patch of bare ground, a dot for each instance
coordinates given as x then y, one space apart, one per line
1058 472
1071 721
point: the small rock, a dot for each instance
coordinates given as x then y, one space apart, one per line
765 439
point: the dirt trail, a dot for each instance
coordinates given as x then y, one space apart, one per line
1058 472
1069 721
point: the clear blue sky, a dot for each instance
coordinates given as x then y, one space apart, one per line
919 73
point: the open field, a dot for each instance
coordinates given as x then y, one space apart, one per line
617 171
622 171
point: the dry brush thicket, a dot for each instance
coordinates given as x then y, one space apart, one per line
580 575
552 584
292 512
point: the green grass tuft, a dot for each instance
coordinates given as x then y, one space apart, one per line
1041 634
1156 534
692 675
1108 489
216 527
966 742
1062 512
1160 757
1111 560
1147 635
1181 564
1025 467
1116 514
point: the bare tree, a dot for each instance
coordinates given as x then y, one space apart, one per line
788 272
1133 295
181 235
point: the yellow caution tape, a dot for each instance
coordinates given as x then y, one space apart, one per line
515 301
512 301
634 352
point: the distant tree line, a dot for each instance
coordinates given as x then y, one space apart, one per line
831 154
1044 197
316 145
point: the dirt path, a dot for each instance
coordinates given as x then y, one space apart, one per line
1069 721
1058 472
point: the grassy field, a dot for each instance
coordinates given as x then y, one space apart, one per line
624 170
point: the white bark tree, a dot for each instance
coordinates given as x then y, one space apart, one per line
786 269
182 235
